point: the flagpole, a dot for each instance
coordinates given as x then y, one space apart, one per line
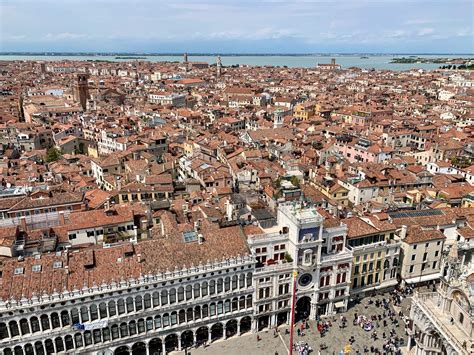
292 321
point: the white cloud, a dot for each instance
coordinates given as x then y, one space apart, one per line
398 34
426 32
63 36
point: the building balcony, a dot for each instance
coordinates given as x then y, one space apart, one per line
267 238
441 320
342 255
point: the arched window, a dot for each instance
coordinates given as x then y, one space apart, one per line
55 323
121 306
39 348
69 342
172 296
249 301
242 302
182 316
94 312
220 285
65 318
386 264
227 284
158 322
235 305
164 297
138 303
59 344
197 312
3 331
45 322
87 338
147 300
102 310
197 290
212 309
141 326
242 281
130 305
35 326
204 288
234 282
75 316
112 309
180 294
48 344
123 330
132 326
97 336
227 306
189 292
106 334
249 279
14 330
174 318
78 340
24 327
115 332
461 318
205 311
84 314
166 320
189 315
149 324
220 307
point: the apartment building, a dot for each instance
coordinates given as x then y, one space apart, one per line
421 251
376 254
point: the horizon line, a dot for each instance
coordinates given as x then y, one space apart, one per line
52 53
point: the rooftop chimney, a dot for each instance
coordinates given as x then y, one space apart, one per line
403 232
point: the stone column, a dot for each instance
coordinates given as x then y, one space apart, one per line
147 348
209 335
314 310
272 321
163 347
238 327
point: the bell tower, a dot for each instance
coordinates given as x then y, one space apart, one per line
219 66
82 90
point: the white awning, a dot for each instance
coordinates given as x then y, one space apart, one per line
414 280
339 304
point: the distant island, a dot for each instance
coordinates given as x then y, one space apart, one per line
414 59
131 57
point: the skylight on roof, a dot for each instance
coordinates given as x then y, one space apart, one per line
190 236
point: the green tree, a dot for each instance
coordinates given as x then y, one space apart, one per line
53 154
295 181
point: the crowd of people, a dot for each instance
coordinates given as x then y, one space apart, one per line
382 324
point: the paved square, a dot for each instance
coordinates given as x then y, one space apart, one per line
336 338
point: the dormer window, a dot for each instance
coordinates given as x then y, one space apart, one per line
18 271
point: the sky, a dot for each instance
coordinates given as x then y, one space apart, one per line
238 26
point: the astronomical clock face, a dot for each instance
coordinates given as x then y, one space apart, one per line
305 280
